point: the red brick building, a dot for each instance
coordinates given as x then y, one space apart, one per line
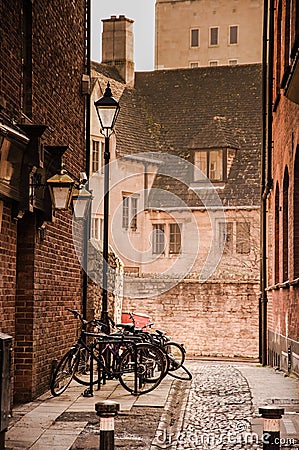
282 176
42 122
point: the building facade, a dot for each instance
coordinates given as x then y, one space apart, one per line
203 33
185 200
42 124
282 174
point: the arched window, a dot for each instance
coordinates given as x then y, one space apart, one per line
296 216
276 236
285 226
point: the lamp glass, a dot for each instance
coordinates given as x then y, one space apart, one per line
81 203
61 197
106 116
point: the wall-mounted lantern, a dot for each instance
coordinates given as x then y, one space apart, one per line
61 187
81 202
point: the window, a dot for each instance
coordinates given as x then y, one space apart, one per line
96 228
210 162
243 237
214 35
130 210
232 62
158 238
234 237
193 65
126 212
174 238
296 215
276 236
133 213
233 34
285 226
225 232
195 37
96 154
213 63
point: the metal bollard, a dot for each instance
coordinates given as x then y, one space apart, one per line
271 427
107 410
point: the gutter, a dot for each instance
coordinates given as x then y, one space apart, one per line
266 170
86 230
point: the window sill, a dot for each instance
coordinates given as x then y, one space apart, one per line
284 285
204 185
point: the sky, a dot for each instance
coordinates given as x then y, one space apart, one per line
143 14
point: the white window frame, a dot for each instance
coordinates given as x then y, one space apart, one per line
175 244
193 64
164 241
159 239
239 235
208 169
213 63
129 211
233 62
96 228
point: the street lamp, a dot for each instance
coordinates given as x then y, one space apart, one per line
107 108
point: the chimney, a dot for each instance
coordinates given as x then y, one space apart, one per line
118 46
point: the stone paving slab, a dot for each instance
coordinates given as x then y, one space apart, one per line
221 401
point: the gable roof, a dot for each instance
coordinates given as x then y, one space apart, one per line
179 111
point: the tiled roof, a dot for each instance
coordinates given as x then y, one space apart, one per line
179 111
107 70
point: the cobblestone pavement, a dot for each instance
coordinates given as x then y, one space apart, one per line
218 413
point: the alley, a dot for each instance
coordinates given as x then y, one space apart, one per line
221 408
217 410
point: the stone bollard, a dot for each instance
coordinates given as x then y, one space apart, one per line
271 427
106 410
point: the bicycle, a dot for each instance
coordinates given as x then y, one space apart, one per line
175 352
140 367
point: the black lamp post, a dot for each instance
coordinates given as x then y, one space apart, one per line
107 108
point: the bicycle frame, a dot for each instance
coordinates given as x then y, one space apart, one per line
100 366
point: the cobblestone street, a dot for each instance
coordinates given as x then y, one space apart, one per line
219 408
221 412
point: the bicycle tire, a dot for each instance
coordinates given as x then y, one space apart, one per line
181 374
150 365
176 354
82 373
64 372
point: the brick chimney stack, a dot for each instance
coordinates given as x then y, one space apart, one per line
118 46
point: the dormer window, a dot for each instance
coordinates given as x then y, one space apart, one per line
213 164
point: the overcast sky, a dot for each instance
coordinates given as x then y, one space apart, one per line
142 12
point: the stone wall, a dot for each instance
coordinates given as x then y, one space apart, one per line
213 318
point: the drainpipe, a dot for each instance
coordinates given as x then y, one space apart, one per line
266 168
87 160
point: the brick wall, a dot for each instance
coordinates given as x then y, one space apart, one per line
41 277
213 318
8 242
283 322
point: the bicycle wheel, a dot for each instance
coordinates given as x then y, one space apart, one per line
176 355
64 372
82 373
182 373
141 368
